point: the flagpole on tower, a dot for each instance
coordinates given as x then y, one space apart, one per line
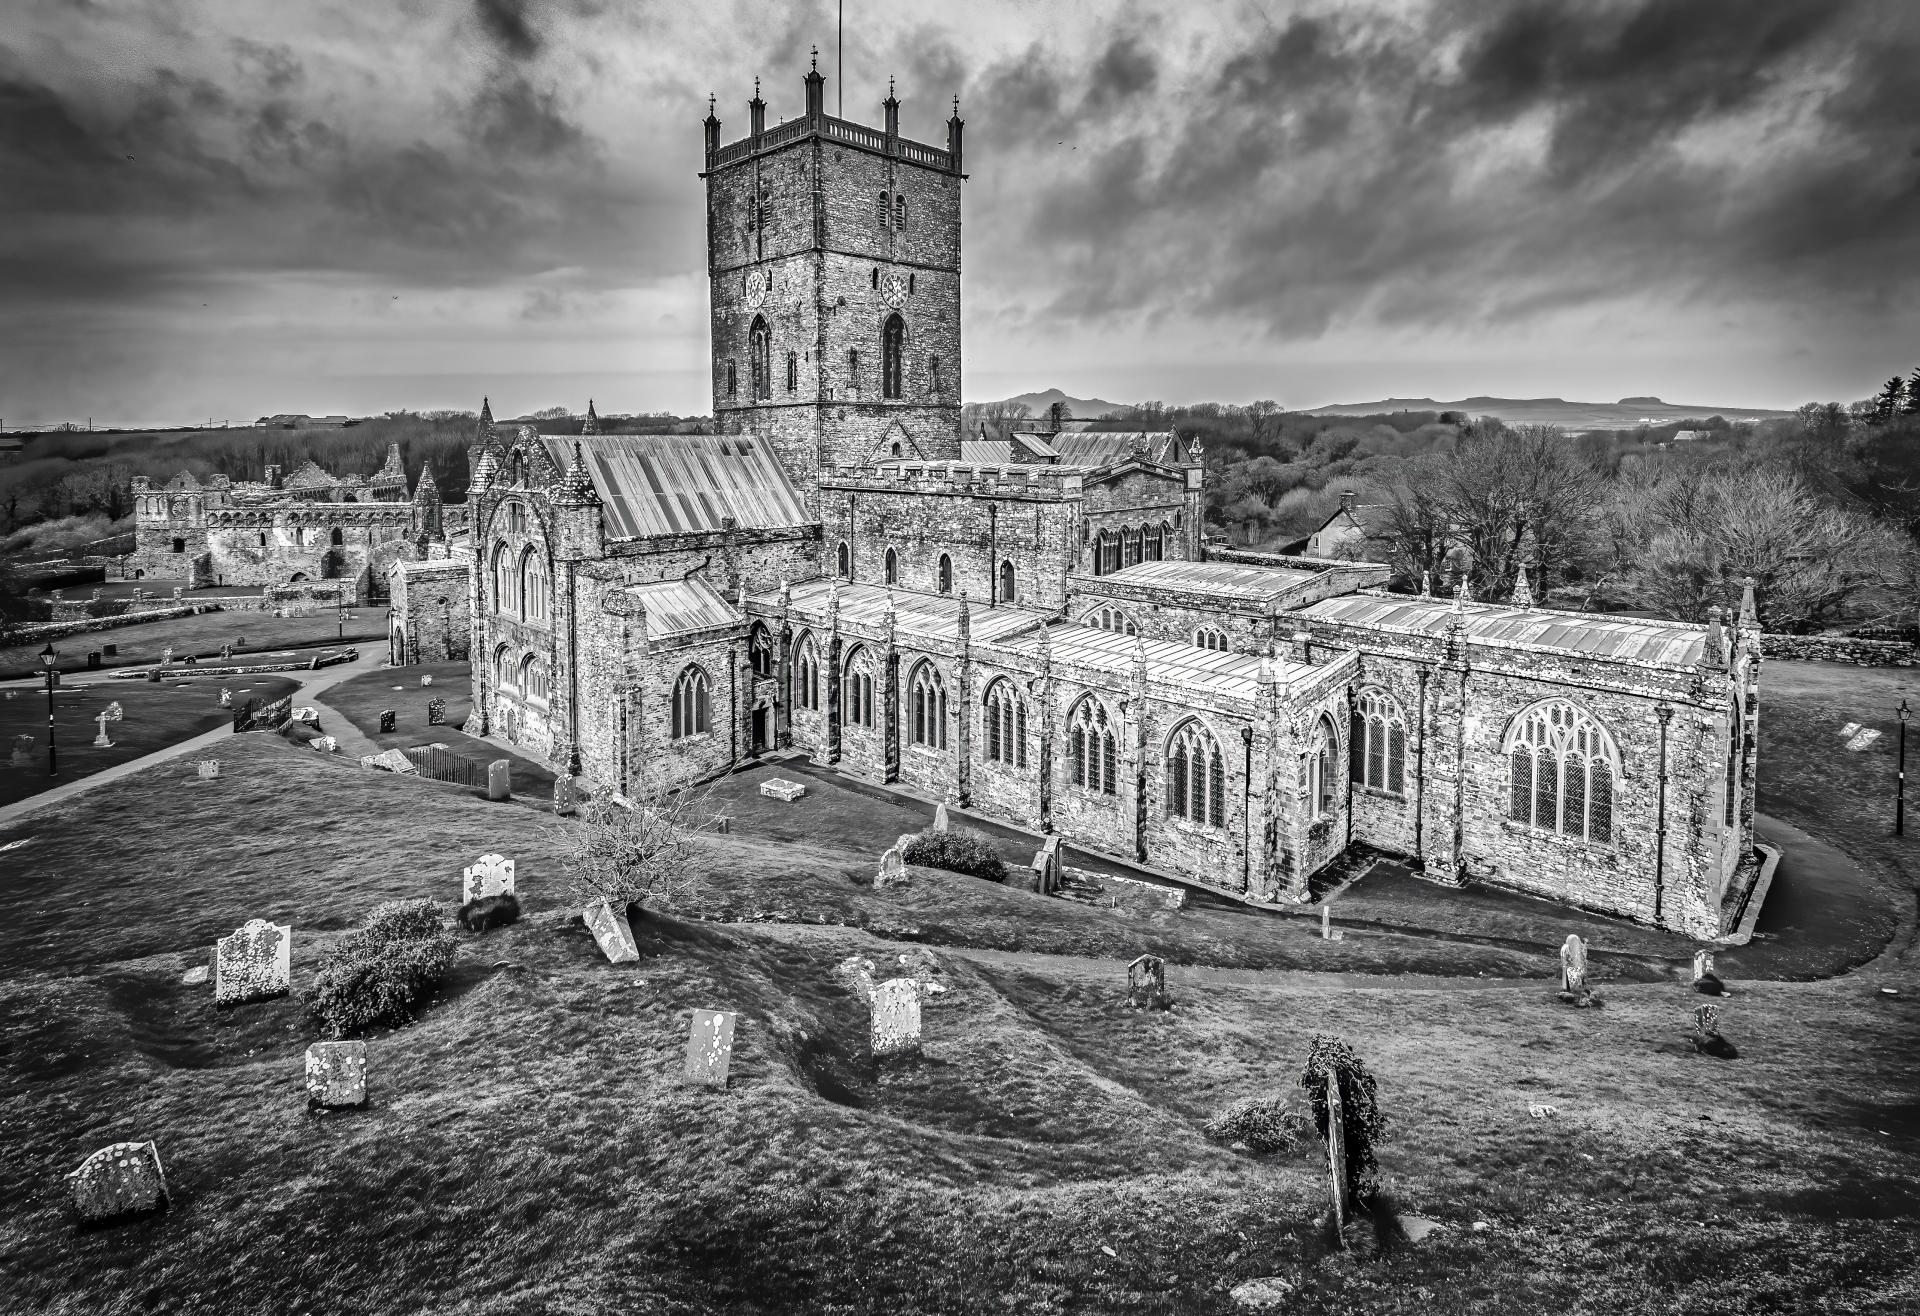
839 62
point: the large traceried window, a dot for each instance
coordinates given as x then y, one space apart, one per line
534 588
927 700
1107 555
533 678
1562 768
806 674
1092 751
759 348
1131 541
1106 617
692 715
1006 718
760 650
1377 743
1156 542
893 344
1196 776
856 690
1211 637
506 582
503 669
1320 760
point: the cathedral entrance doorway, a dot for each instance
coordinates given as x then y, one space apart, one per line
762 716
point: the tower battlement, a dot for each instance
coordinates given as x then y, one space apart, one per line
959 478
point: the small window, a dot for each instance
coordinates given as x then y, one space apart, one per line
179 545
846 561
853 367
793 372
733 381
1211 637
1006 583
263 541
946 574
876 276
900 211
882 214
893 567
337 539
933 375
909 285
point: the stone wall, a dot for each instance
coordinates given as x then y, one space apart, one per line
1839 649
428 620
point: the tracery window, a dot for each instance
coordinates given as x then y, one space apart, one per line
1109 618
806 673
1196 776
856 691
927 696
759 342
1092 752
1562 768
691 713
533 678
760 651
516 513
1156 542
505 582
1320 760
534 588
1211 637
503 669
1131 544
892 348
1377 743
1006 715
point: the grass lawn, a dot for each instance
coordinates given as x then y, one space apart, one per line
528 1148
155 716
360 700
201 634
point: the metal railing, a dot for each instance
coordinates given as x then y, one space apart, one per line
444 765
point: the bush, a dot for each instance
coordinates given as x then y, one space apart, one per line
1264 1124
488 912
380 973
957 852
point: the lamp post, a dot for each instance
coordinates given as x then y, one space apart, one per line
1900 788
340 599
47 655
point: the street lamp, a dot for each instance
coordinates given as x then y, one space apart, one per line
47 655
1900 790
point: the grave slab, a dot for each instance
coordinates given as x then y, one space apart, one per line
252 963
336 1075
612 931
122 1180
710 1047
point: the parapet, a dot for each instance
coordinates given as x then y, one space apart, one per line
1014 480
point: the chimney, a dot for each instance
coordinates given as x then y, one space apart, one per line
1053 418
1346 501
756 112
954 128
712 127
816 90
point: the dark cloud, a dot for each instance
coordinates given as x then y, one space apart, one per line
509 25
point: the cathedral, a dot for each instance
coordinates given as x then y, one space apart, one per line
1036 628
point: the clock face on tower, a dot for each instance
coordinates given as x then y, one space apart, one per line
756 294
893 289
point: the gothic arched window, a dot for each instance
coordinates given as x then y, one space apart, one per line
1006 582
893 567
533 587
503 671
691 715
337 538
760 650
1092 754
759 344
1131 541
1109 618
505 601
1006 716
927 698
899 210
1196 776
533 678
893 342
793 372
1320 774
1377 743
1562 767
846 561
1211 637
806 673
1156 542
856 690
733 381
880 212
946 574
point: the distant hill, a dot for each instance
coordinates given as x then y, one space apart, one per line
1621 415
1082 408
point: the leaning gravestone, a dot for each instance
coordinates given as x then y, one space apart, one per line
1147 984
490 875
612 931
500 779
118 1181
436 712
710 1047
893 868
387 717
252 963
325 744
336 1075
896 1018
940 818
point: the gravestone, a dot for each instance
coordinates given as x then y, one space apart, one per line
1147 984
1337 1153
192 660
390 760
612 931
166 655
500 779
308 715
426 678
1048 863
939 817
23 751
252 963
489 875
1702 964
153 675
857 973
110 650
779 788
565 796
208 768
1706 1034
122 1180
226 699
893 869
1705 980
895 1026
93 660
336 1075
387 717
325 744
226 652
710 1047
1326 922
1573 965
436 712
101 741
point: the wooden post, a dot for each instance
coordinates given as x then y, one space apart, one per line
1337 1155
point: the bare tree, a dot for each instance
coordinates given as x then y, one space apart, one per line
644 852
1000 419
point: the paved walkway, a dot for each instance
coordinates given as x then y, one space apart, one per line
311 683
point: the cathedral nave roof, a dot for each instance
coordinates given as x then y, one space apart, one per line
919 615
672 484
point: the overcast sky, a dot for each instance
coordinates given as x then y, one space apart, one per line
221 208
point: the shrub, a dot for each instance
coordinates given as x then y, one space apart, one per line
380 973
1330 1058
488 912
1264 1124
957 852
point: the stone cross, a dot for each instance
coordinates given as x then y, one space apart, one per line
896 1018
710 1047
1147 984
100 741
490 875
1702 964
122 1180
893 868
940 818
336 1075
611 931
1337 1153
252 963
1573 964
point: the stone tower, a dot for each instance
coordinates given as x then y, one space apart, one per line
833 252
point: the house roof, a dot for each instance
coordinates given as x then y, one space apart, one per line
1659 643
667 484
1228 579
926 616
1110 449
680 607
